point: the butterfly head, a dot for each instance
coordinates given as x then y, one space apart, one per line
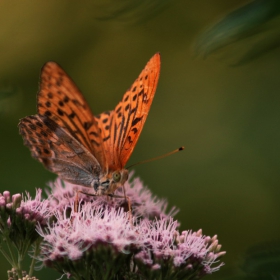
111 181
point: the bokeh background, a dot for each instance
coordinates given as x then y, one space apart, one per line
218 95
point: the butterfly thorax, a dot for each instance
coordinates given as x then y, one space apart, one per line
110 182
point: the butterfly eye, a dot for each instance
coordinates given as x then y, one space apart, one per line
117 176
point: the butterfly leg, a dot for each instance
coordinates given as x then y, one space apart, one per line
108 195
76 204
128 203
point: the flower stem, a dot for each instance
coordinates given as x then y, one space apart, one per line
6 256
19 268
12 258
36 252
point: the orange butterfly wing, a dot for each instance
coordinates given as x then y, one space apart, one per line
121 128
60 100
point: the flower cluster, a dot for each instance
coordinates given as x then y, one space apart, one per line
19 217
100 239
144 204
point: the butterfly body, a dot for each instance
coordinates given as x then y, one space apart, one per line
79 147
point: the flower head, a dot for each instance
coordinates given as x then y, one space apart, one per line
35 210
20 215
144 203
171 255
101 237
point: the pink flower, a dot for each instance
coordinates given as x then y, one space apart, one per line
144 204
104 236
35 210
163 244
101 239
84 231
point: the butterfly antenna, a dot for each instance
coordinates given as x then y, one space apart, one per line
159 157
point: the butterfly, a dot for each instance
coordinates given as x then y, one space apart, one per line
82 148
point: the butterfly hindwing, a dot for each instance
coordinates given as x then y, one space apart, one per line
58 151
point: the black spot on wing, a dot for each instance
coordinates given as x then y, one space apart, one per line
39 124
94 142
133 111
72 115
129 139
33 140
38 150
134 130
60 112
44 133
76 102
94 133
48 113
135 121
87 125
32 126
141 92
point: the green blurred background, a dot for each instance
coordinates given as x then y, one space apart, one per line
224 109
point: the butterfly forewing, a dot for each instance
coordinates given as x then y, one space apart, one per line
59 151
104 122
121 128
60 100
